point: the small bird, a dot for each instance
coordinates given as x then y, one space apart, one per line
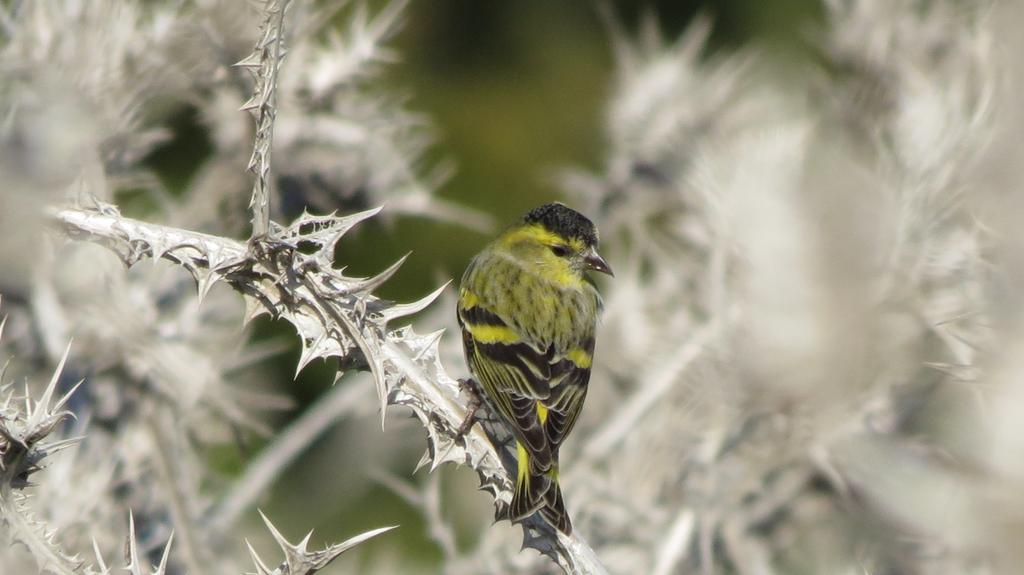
528 313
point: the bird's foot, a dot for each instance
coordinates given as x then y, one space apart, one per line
469 386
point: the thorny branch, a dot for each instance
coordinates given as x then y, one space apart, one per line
264 63
24 430
336 316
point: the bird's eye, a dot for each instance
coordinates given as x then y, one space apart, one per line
560 251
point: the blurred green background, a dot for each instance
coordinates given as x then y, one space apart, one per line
515 91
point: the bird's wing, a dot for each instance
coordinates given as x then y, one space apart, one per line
523 369
513 373
570 376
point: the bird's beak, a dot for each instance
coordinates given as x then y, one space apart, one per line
595 262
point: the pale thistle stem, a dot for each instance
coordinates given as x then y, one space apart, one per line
180 516
605 440
265 63
43 549
676 543
272 461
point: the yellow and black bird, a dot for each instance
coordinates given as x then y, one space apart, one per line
528 313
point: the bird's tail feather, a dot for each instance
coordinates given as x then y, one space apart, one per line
538 492
529 494
554 511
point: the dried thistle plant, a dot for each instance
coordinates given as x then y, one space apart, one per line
808 360
160 366
286 272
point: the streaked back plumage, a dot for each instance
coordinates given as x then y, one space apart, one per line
528 317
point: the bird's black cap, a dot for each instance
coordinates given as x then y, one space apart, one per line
564 221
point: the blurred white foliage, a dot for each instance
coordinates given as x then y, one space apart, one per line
88 90
837 245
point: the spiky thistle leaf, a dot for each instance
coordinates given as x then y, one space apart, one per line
298 559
